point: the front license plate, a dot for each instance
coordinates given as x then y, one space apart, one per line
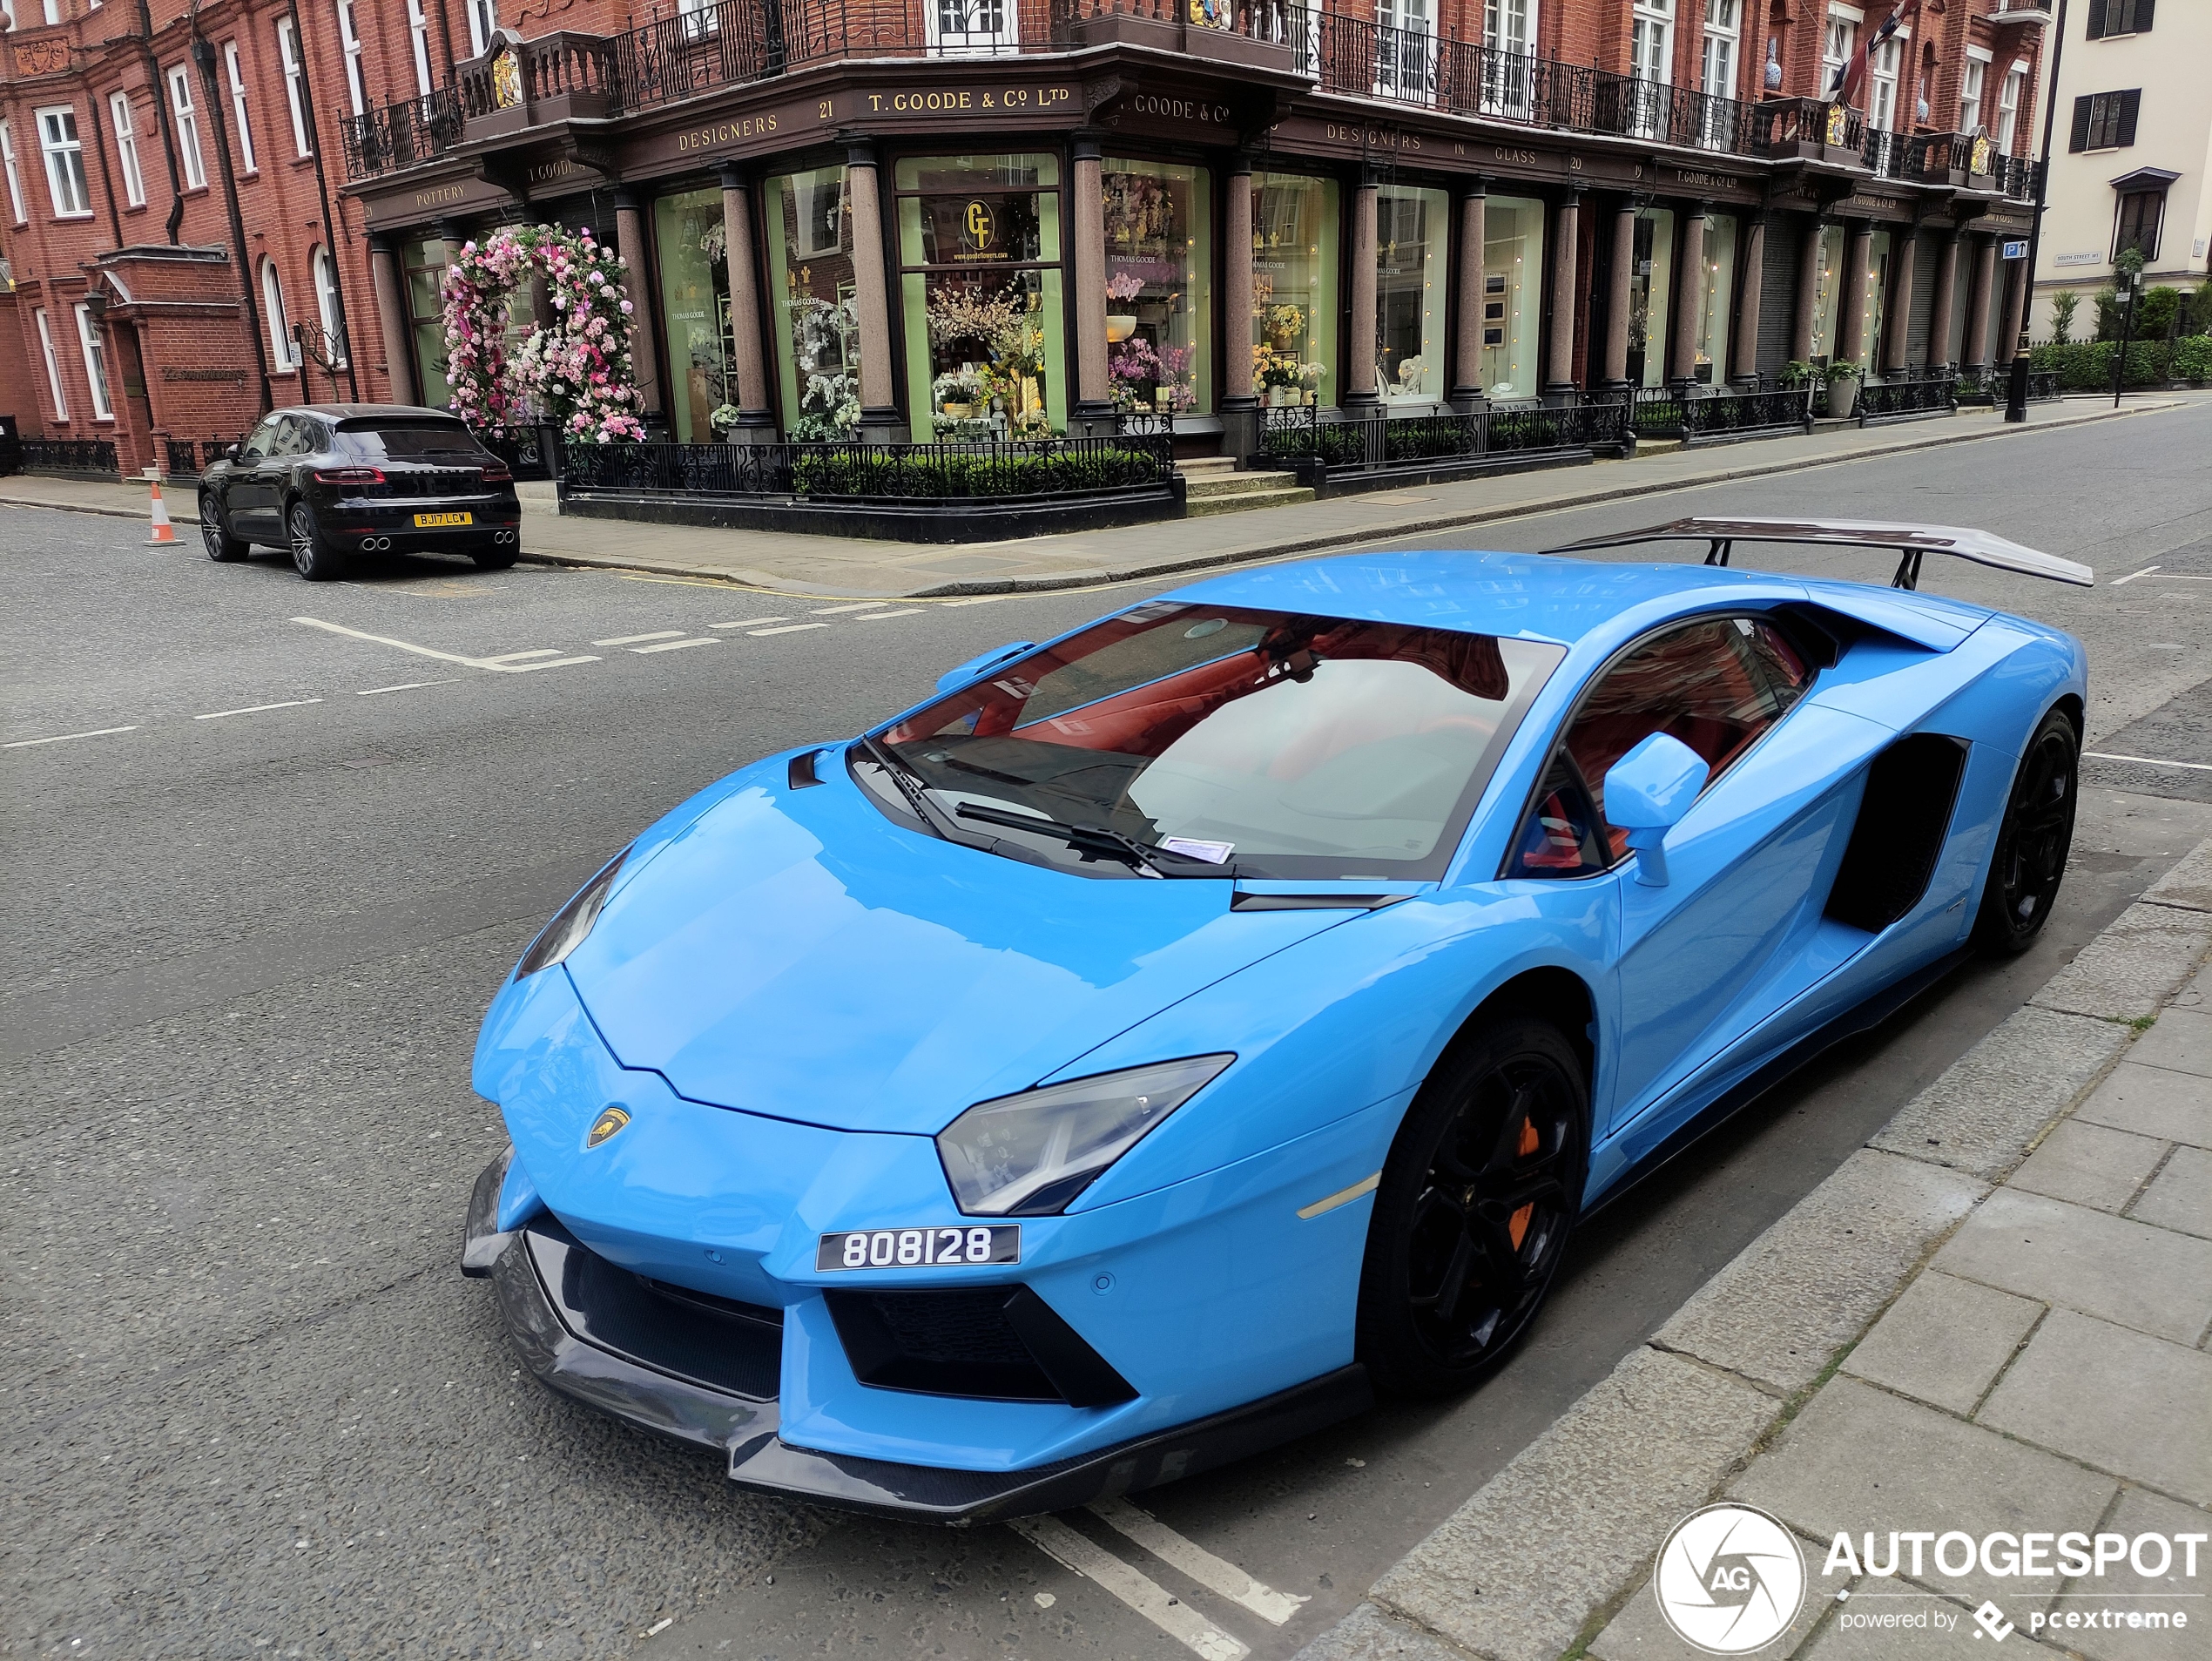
965 1247
433 521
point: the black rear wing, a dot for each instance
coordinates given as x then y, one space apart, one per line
1912 543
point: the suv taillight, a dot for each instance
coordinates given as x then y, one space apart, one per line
497 474
349 476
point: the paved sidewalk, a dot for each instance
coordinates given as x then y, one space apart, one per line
848 567
1993 1317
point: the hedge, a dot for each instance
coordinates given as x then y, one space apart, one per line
958 476
2087 366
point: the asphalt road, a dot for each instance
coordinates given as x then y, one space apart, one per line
255 915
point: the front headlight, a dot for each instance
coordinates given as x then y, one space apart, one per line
1031 1155
572 923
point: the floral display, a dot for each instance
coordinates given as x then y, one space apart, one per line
574 372
1124 286
1142 376
1010 330
829 397
1274 367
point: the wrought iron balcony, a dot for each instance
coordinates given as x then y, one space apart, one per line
401 135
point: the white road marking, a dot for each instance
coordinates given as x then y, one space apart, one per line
64 738
679 645
385 641
1147 1598
1196 1562
747 623
550 662
1342 1197
2121 582
789 628
2149 761
405 686
632 639
878 617
255 709
2174 577
837 611
517 657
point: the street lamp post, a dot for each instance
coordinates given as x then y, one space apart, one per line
2016 393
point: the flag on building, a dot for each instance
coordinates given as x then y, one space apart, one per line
1850 80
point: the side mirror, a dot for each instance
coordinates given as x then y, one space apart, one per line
1646 792
977 668
230 452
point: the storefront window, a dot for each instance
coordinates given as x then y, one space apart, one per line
1513 288
817 325
1720 294
1411 233
979 248
1294 287
1828 291
425 262
695 309
1159 259
1650 286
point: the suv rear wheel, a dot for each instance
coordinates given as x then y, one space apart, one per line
311 557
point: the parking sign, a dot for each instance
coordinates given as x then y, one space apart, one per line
2016 250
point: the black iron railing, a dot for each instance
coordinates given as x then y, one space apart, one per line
1375 442
520 450
187 458
954 476
1150 423
399 135
1907 396
69 455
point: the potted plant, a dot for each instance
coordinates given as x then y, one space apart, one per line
1843 389
959 391
1122 287
1285 324
723 419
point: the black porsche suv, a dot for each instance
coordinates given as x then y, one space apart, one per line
327 482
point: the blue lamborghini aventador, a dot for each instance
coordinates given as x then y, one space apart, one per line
1171 1034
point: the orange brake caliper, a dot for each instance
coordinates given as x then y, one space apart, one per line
1517 1225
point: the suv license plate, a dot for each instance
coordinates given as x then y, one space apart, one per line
432 520
968 1246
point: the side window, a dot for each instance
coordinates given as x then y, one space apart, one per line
296 435
257 445
1717 684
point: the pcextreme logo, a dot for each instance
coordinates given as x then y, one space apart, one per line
1730 1579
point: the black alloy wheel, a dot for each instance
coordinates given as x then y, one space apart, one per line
309 556
215 536
1476 1202
2031 842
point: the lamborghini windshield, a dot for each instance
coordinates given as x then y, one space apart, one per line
1262 742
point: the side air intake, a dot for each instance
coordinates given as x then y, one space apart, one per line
1903 819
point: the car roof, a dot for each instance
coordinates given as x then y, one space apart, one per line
358 412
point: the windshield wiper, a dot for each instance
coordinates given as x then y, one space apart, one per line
1095 841
913 787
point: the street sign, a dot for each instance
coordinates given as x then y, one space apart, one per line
2016 250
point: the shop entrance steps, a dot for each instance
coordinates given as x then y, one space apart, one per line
1213 485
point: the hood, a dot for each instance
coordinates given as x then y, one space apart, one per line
796 954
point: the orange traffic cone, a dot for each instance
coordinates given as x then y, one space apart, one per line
164 532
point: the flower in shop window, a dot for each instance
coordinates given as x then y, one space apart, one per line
576 372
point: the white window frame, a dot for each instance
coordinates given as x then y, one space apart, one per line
7 16
53 366
236 73
1651 41
418 30
63 182
288 51
323 265
186 114
88 340
1972 79
126 148
2008 104
1884 72
52 11
957 28
1838 40
15 177
1722 35
1509 41
349 41
286 350
483 24
1406 57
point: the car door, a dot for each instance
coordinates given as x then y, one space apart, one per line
1705 956
250 498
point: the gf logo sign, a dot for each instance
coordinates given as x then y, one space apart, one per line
980 226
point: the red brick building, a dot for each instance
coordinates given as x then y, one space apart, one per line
211 211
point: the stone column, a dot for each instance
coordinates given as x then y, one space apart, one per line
1467 366
1851 301
1359 344
1975 354
390 284
1093 406
1808 312
756 416
1943 351
879 422
1744 351
1559 355
645 358
1690 299
1897 316
1621 280
1240 416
